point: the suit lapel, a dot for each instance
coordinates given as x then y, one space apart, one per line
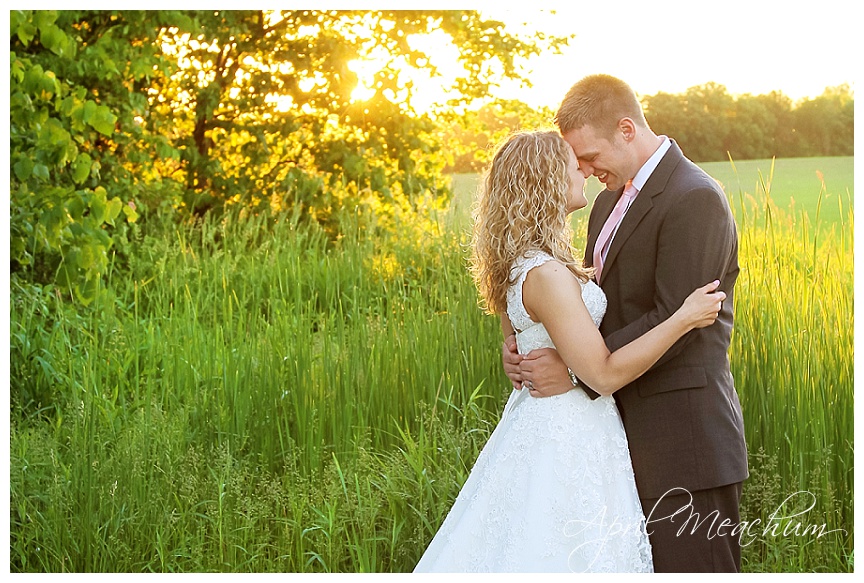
641 206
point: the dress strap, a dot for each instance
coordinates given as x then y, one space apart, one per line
516 311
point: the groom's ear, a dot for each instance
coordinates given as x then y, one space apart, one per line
627 129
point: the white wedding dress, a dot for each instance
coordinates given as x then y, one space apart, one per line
553 489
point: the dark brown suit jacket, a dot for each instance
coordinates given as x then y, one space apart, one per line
682 418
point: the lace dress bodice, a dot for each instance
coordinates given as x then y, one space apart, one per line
531 335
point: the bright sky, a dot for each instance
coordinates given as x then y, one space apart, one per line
669 45
749 46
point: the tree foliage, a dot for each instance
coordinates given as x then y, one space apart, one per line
118 112
269 116
711 125
69 88
471 137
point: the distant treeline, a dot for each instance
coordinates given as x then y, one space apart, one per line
710 125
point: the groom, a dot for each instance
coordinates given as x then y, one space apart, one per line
651 245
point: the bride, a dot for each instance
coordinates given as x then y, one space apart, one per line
553 488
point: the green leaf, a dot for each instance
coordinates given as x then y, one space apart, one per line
88 111
16 69
86 256
41 171
103 120
81 168
113 209
16 17
75 208
26 31
130 212
45 18
77 230
53 39
98 205
21 108
67 105
33 79
23 168
18 250
67 273
50 84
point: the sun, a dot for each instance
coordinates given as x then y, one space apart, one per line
423 87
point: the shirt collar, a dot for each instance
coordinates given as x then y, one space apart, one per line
648 168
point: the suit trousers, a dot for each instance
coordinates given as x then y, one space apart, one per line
695 532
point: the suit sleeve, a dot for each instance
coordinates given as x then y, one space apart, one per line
695 243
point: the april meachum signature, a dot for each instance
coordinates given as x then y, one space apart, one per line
781 522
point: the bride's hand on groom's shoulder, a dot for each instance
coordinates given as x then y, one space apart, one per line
702 307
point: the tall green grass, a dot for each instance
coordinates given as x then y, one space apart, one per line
244 397
792 359
250 396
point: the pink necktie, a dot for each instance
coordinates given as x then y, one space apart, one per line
608 229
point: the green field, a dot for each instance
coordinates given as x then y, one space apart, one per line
795 185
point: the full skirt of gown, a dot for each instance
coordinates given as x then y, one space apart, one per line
553 488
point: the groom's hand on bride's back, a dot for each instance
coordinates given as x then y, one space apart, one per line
545 373
511 358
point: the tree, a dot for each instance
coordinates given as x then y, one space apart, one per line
752 129
826 123
117 111
782 142
73 83
268 117
699 120
709 111
711 125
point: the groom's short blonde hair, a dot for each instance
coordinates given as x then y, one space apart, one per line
599 101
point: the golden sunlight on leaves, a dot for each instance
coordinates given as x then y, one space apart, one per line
283 102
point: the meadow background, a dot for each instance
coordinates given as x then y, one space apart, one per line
249 396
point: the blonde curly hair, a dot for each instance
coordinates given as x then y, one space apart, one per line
522 207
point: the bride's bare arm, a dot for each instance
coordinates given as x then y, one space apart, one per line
553 296
506 326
